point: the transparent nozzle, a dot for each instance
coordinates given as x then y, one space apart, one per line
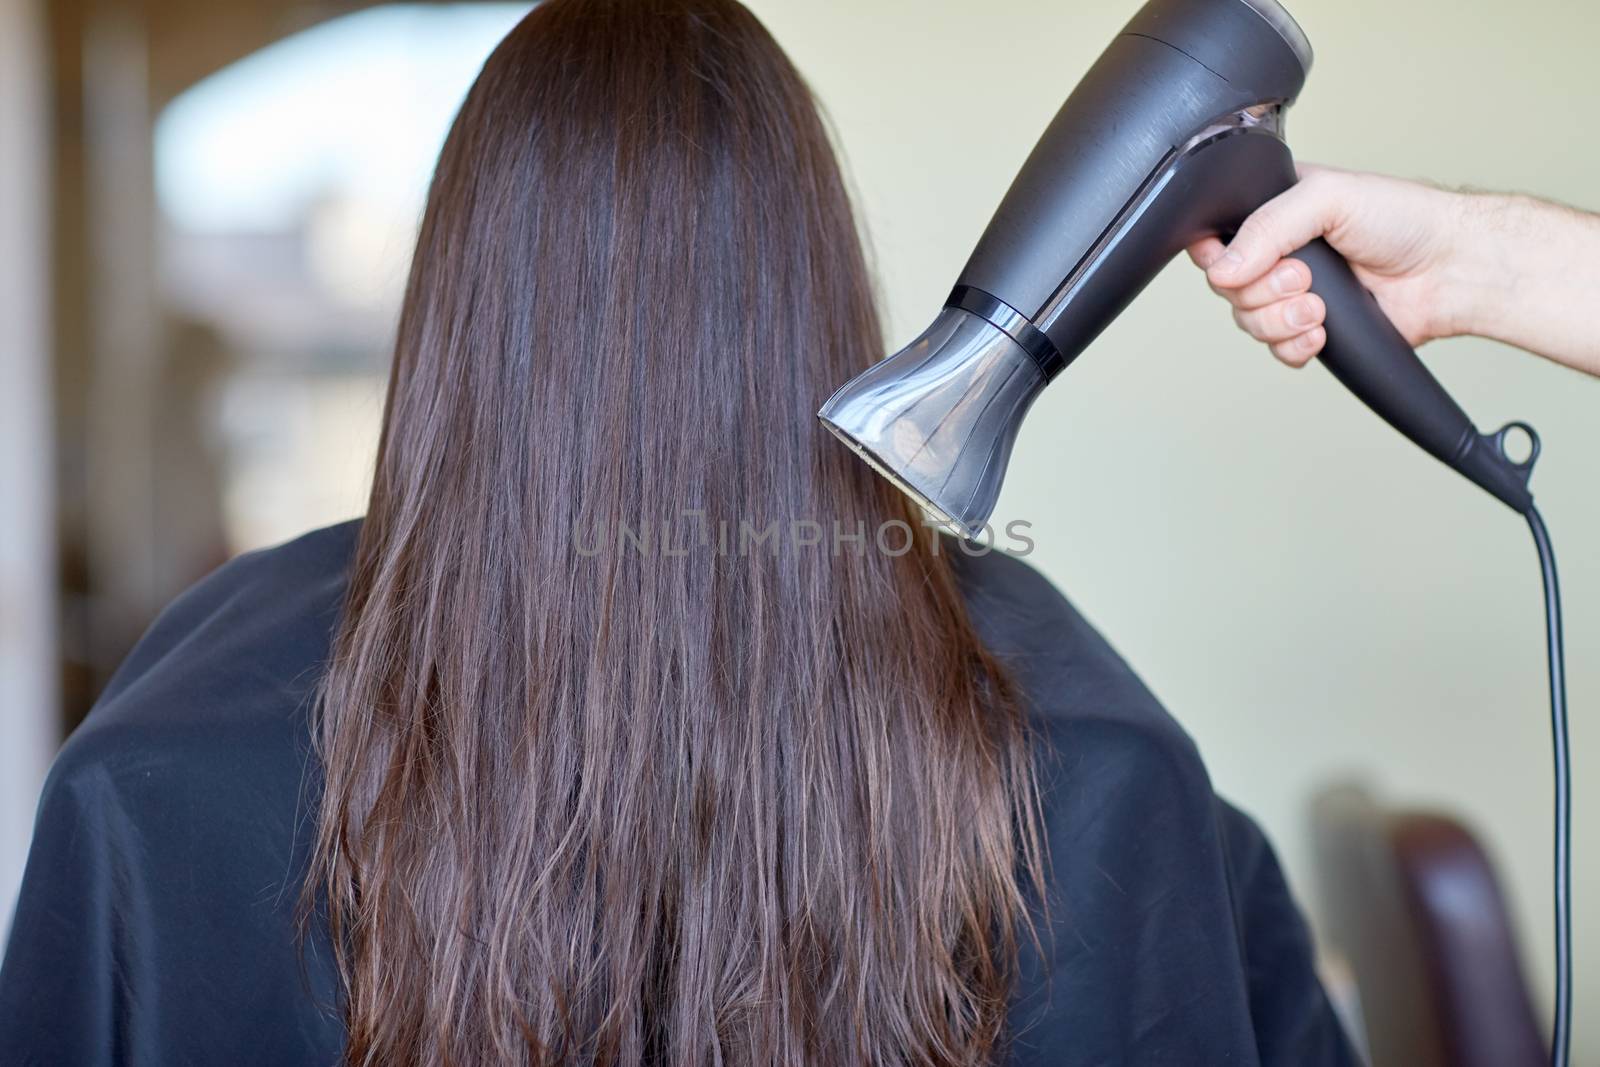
939 417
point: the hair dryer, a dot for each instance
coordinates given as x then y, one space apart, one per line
1175 133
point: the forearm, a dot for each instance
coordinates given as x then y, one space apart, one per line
1527 272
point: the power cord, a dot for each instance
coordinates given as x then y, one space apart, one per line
1561 1036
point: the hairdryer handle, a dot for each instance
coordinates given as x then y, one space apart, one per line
1366 353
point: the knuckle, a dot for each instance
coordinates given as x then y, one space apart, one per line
1251 323
1263 218
1299 273
1290 352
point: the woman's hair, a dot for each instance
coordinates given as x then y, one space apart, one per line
635 750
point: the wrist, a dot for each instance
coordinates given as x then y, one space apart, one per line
1476 278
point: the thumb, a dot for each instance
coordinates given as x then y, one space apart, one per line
1283 224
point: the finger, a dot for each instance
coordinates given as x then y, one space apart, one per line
1289 278
1282 321
1297 351
1205 251
1276 228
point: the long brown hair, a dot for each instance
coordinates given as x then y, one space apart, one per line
632 750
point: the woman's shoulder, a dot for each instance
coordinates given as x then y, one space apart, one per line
170 838
266 601
1075 685
1171 935
223 674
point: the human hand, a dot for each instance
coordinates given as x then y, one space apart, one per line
1401 238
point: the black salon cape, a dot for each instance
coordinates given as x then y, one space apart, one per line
155 924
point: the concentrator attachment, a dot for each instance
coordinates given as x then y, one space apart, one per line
939 417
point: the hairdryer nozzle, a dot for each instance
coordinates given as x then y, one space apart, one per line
939 417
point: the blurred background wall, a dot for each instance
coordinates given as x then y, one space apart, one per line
206 209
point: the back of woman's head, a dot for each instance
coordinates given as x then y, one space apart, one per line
645 740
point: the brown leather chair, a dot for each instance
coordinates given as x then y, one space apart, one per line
1410 900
